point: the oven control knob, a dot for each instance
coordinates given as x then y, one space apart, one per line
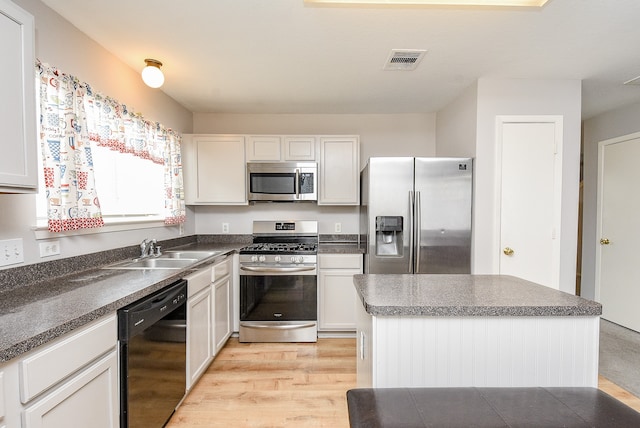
277 259
254 258
262 258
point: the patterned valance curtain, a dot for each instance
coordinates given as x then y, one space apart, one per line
111 124
72 201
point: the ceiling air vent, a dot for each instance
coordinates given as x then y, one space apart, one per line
404 59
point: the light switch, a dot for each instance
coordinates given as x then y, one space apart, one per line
11 252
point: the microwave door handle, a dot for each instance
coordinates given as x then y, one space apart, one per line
297 183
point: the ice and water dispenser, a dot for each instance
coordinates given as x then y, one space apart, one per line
389 235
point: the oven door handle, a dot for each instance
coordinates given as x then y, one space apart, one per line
278 327
277 269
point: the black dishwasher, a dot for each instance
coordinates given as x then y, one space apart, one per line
152 342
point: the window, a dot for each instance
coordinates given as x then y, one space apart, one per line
128 185
101 162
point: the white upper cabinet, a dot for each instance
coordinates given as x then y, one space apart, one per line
264 148
214 169
18 169
277 148
214 166
301 148
339 171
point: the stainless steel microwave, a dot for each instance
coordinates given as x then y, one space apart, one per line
282 181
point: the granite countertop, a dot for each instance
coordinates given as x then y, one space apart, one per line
466 295
63 295
35 314
339 248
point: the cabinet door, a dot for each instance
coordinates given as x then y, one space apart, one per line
299 148
336 291
89 399
222 314
339 171
2 411
337 300
264 148
214 170
18 169
199 349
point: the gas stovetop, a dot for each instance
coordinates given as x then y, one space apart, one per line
288 237
280 248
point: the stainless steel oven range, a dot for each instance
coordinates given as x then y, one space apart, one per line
278 283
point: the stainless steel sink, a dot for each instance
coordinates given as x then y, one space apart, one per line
153 263
197 255
172 259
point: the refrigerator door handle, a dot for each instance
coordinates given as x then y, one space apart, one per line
417 230
411 231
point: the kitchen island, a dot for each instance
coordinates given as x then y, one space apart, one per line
473 330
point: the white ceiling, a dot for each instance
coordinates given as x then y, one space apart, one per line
283 56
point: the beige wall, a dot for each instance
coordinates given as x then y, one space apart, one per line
526 97
62 45
456 125
380 135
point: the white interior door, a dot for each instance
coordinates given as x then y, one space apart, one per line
617 255
530 187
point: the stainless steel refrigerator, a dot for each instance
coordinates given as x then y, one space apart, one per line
415 214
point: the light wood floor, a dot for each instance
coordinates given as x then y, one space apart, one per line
286 385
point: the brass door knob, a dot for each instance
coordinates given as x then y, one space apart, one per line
604 241
508 251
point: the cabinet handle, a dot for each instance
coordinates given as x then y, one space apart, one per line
508 251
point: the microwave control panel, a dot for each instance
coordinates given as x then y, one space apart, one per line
306 182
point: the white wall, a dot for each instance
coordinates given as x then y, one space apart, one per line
60 44
456 125
615 123
526 97
380 135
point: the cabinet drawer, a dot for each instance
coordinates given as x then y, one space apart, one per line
55 362
199 280
221 269
340 261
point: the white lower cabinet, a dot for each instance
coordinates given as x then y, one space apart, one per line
199 328
199 354
89 399
2 405
337 294
71 381
222 303
208 316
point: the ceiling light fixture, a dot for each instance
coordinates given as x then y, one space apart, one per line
504 3
151 74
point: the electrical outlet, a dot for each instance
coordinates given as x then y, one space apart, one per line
49 248
11 252
225 227
338 227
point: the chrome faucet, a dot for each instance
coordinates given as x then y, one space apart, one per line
149 247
